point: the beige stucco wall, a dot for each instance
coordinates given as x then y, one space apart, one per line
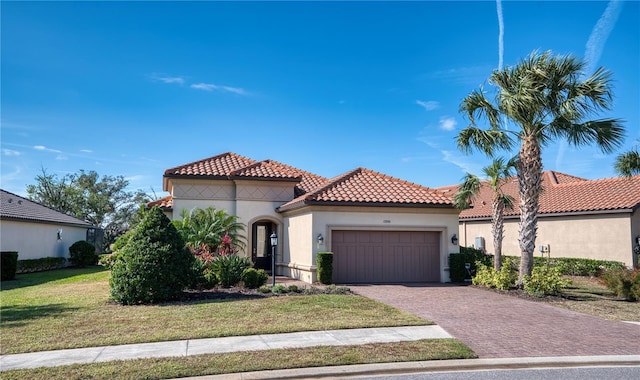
38 240
297 246
601 236
250 201
304 225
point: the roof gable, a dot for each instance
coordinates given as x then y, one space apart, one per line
369 188
15 207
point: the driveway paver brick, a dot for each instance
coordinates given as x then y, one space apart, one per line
501 326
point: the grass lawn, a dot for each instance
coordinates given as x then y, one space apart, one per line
587 295
70 308
201 365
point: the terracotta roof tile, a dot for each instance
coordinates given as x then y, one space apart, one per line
366 187
565 194
15 207
165 203
216 166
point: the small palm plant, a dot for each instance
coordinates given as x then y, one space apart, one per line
205 230
498 173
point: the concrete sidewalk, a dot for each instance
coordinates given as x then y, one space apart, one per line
221 345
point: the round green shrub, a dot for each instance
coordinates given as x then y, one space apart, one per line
254 278
82 253
154 266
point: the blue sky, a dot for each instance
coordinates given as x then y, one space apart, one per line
134 88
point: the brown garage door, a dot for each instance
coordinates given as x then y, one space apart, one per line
385 256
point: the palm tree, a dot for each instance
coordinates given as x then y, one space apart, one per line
544 98
205 228
498 173
628 163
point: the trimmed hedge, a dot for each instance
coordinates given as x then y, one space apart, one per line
574 266
9 264
457 270
39 265
325 267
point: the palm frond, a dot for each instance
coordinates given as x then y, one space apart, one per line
628 163
468 190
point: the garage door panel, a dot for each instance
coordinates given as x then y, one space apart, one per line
386 256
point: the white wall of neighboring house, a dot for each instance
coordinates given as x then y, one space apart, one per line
600 236
38 240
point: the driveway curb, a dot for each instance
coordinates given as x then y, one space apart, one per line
431 366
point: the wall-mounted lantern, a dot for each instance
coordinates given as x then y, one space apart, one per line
454 239
320 239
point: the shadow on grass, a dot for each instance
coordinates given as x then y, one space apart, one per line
18 315
24 280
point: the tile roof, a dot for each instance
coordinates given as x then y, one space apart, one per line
564 194
230 165
366 187
217 166
15 207
165 203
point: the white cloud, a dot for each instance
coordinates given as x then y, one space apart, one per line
429 105
61 157
448 123
215 87
167 79
45 149
9 152
466 163
599 35
500 33
86 151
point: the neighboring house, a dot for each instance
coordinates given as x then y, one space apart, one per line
596 219
36 231
381 229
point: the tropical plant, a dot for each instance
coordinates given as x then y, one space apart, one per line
203 230
628 163
498 173
541 99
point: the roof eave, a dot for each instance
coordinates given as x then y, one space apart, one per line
304 203
42 221
552 214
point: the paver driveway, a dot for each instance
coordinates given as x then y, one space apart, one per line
498 326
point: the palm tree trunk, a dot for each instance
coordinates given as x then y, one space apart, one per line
497 228
530 187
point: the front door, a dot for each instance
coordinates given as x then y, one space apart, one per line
261 245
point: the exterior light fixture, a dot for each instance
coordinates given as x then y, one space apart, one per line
274 244
454 239
638 239
320 239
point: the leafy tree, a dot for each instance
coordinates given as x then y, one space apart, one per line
628 163
541 99
103 202
205 229
498 173
154 265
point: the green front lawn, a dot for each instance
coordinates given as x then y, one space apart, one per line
70 308
437 349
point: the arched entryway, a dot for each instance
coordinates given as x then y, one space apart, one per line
261 231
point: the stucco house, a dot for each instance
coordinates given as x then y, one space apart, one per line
36 231
381 229
596 219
